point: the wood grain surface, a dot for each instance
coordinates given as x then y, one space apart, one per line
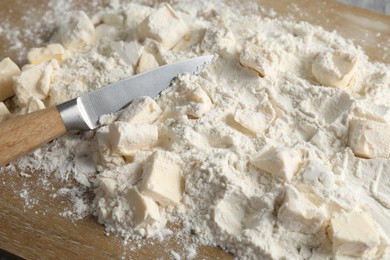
22 134
31 225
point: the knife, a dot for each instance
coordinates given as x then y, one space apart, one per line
21 135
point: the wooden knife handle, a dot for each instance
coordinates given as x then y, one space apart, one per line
20 135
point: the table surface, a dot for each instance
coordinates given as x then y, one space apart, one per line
40 232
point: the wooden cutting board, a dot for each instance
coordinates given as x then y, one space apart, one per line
36 230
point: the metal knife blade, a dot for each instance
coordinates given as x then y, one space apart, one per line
84 112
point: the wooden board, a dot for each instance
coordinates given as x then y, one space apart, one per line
38 231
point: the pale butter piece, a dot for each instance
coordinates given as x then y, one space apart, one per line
256 122
281 162
162 179
51 51
135 14
230 213
77 32
111 18
8 69
146 62
4 112
129 52
164 26
354 234
261 60
118 178
126 137
34 81
143 110
129 174
116 194
143 209
370 111
369 139
219 39
104 153
334 68
34 104
108 185
318 176
200 103
298 214
105 32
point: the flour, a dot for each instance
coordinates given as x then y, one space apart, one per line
263 152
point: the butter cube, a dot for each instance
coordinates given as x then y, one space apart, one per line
146 62
112 200
34 81
354 234
117 179
34 104
370 111
129 52
298 214
4 112
220 39
200 103
8 69
143 209
51 51
280 162
198 95
162 179
104 153
111 18
105 32
369 139
126 137
77 32
256 122
318 177
107 185
164 26
261 60
230 214
334 68
143 110
128 174
135 14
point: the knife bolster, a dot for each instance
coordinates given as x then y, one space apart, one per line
72 115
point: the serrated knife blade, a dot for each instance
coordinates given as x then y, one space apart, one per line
84 112
22 134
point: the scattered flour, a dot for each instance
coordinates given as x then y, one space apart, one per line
262 153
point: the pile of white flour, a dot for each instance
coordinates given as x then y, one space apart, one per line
279 148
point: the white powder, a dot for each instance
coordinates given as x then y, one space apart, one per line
261 135
175 255
28 202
